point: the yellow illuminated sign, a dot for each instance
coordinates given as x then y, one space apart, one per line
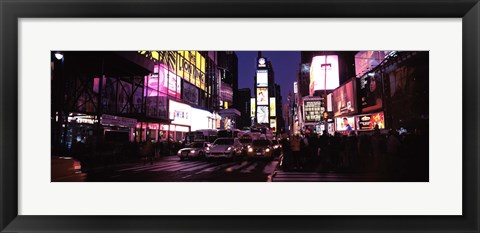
272 107
252 107
190 65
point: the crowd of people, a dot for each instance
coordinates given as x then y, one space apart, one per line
399 156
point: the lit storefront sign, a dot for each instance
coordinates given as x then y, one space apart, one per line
118 121
180 113
262 78
295 87
272 107
368 122
202 118
262 96
320 65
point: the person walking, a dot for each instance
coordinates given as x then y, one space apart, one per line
295 147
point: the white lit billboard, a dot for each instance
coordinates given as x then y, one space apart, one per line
262 114
180 113
324 67
262 78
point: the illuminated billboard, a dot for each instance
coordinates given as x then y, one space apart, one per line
189 65
324 67
344 123
272 107
273 125
343 100
370 92
262 114
368 122
262 96
313 110
262 78
252 107
180 113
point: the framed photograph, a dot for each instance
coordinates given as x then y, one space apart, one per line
42 42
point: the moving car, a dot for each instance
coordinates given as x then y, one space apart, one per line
195 150
246 141
260 148
224 148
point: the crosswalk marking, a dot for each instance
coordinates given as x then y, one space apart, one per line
204 166
176 166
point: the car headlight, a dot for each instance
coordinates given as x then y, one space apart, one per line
229 148
208 148
250 149
267 150
179 152
249 146
192 151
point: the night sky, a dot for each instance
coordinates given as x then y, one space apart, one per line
285 65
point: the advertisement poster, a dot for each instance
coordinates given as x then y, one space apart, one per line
262 96
262 78
368 122
367 60
273 125
272 107
345 123
324 69
262 114
313 111
252 107
343 100
370 92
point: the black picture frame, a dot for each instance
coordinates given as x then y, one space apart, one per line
11 11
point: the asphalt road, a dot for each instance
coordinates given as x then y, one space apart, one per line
171 169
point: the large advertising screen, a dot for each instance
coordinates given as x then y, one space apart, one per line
262 96
262 114
164 81
272 107
370 92
368 122
262 78
190 93
324 67
313 110
344 123
343 100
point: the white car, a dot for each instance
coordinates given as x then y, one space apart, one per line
195 150
224 148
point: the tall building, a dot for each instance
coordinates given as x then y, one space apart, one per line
243 106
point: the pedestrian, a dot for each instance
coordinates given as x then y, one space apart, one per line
295 147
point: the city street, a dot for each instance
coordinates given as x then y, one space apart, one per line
171 169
